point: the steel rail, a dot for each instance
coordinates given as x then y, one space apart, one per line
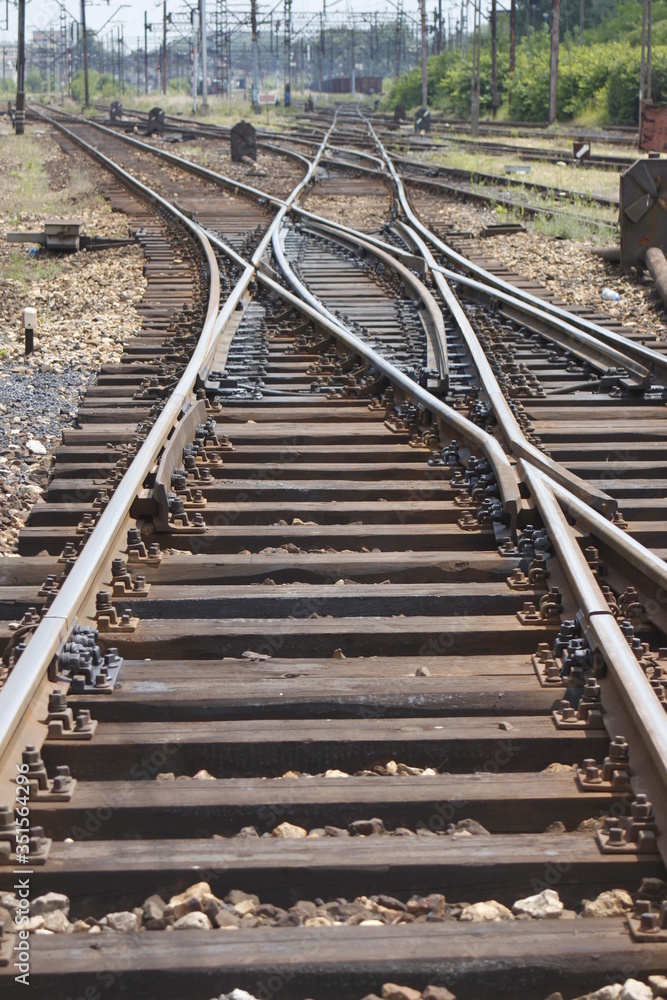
514 435
583 345
436 328
178 161
311 306
604 633
58 621
651 359
621 542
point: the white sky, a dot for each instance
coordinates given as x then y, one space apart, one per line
44 14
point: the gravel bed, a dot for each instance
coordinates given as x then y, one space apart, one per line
276 174
199 908
85 311
368 213
567 268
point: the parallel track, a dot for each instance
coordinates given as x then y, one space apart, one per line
342 582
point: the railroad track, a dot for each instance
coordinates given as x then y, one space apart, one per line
336 662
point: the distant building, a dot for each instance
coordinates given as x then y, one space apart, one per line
343 85
9 55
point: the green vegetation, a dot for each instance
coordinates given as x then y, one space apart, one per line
26 268
598 81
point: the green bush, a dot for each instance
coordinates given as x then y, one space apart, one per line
99 85
34 84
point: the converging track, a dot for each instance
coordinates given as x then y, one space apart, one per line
334 654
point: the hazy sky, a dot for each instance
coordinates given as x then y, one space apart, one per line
42 14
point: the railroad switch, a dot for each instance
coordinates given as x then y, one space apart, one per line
67 235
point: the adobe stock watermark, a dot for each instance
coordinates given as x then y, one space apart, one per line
21 956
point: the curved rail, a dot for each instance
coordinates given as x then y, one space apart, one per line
59 619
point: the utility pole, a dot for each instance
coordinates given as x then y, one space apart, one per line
582 18
255 54
288 53
19 119
204 54
494 58
476 52
147 27
512 47
397 45
194 61
85 52
322 22
553 68
354 87
121 59
164 47
649 52
422 11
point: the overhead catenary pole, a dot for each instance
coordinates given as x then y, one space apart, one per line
85 52
553 67
476 53
19 118
649 52
164 47
147 27
255 54
512 47
494 58
288 53
422 11
194 61
582 21
204 55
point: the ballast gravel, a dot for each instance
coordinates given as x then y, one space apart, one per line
85 311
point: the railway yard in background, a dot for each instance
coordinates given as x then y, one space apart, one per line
333 593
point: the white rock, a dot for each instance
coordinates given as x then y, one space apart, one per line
244 906
56 921
9 901
193 921
240 995
288 831
371 923
658 984
124 921
633 989
48 903
613 903
35 447
180 905
489 910
334 773
612 992
543 906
